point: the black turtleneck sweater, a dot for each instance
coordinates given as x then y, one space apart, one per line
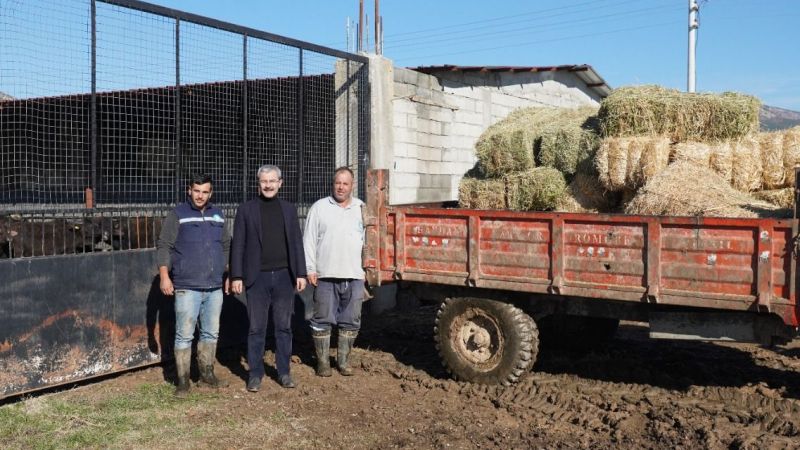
273 245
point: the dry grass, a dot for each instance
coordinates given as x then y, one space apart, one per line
586 194
538 189
630 162
686 189
555 137
654 110
782 198
791 153
567 139
474 193
746 168
507 146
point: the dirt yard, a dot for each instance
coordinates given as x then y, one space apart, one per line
633 393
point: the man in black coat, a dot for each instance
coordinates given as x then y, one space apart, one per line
267 260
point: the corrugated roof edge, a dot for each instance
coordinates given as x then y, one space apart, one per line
585 72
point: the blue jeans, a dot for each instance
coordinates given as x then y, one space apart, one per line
337 301
191 305
273 290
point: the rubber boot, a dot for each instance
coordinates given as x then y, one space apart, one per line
206 355
322 345
346 338
183 362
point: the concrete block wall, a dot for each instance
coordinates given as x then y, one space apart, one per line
424 128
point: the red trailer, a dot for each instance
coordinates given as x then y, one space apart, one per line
690 277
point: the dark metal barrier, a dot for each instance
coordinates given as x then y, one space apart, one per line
117 102
106 108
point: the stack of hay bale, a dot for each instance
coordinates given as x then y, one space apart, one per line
673 153
649 150
526 160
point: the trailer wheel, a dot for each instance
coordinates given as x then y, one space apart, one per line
485 341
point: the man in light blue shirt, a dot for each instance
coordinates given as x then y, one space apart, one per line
333 239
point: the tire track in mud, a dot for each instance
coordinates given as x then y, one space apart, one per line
712 407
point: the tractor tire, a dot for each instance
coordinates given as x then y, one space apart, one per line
485 341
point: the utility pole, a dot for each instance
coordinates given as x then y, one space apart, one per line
378 43
693 25
360 25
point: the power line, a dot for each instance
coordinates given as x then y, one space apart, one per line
496 19
522 44
537 17
546 27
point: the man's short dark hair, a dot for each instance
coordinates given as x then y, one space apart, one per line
200 178
343 169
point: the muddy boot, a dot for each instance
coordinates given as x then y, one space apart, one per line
346 338
183 362
206 355
322 345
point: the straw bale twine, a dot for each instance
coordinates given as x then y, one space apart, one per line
774 173
629 162
654 110
686 189
537 189
747 169
791 153
474 193
782 198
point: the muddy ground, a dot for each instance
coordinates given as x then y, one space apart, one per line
632 393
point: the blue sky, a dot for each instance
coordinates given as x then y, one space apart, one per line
747 46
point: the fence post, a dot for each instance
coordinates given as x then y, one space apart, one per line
301 133
89 193
245 106
178 153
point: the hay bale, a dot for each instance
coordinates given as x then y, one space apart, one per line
474 193
791 153
782 198
771 146
686 189
554 137
747 169
568 138
630 162
654 159
698 153
721 160
585 193
611 161
538 189
654 110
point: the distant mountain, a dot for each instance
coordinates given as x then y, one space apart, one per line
774 118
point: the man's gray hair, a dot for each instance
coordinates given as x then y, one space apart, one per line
269 168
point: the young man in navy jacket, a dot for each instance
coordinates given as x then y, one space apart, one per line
267 261
192 260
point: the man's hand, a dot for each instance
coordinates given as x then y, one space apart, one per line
312 278
166 285
226 288
301 284
237 286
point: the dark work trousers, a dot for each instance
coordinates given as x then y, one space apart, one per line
337 301
271 290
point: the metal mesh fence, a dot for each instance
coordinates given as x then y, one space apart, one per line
112 105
